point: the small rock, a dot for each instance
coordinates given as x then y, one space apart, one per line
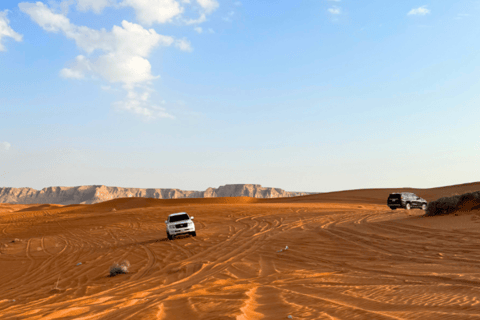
286 248
79 263
290 317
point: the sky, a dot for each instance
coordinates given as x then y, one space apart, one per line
305 95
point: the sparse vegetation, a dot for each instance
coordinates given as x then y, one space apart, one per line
449 205
119 268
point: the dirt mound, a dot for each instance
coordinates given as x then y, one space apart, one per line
7 207
41 207
131 203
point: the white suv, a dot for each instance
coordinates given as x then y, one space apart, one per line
180 223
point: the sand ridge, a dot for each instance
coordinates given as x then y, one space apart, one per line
344 260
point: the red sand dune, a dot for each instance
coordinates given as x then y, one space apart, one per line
349 257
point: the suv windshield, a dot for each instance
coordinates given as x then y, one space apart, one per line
179 217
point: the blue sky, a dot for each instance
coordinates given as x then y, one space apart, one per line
311 95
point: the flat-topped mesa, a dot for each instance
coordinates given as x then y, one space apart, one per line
246 190
100 193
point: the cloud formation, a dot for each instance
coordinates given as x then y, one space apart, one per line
421 11
138 103
154 11
208 5
6 31
117 56
183 44
149 12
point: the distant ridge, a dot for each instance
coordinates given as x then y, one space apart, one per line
100 193
380 195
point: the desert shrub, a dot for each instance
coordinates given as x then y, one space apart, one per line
448 205
119 268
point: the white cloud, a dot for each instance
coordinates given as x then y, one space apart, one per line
6 31
96 6
183 44
421 11
78 69
72 73
128 69
198 29
154 11
45 18
335 10
208 5
5 145
138 103
200 19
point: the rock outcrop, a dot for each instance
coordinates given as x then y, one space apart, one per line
95 194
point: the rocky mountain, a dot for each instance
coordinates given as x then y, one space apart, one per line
95 194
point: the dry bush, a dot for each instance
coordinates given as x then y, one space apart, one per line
448 205
119 268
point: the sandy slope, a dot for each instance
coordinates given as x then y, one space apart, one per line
345 260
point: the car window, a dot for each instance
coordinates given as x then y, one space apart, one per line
179 217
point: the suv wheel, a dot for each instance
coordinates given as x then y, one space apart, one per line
194 234
169 236
408 206
424 207
393 208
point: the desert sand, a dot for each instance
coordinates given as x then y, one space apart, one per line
349 257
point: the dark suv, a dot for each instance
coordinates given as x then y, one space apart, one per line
406 200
